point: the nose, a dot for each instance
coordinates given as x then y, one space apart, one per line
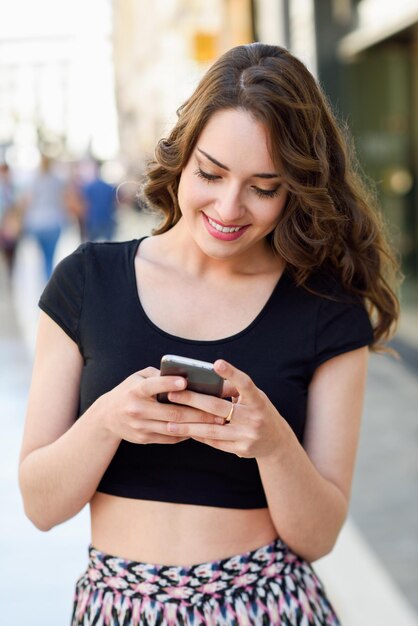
230 207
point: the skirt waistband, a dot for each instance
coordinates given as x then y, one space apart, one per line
185 582
270 585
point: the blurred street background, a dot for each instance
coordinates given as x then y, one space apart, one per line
86 90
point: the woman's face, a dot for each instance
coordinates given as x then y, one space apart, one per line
230 192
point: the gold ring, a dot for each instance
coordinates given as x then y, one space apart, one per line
229 416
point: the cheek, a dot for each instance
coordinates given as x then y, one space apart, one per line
193 194
273 215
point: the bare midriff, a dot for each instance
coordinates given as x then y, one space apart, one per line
175 534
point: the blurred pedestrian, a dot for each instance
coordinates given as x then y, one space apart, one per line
74 199
100 204
271 266
10 216
45 211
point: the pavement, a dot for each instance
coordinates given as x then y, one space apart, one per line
372 574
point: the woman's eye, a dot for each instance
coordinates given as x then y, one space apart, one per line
207 177
261 193
267 193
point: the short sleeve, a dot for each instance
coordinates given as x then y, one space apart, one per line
62 298
341 327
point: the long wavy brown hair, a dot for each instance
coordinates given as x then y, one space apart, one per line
331 220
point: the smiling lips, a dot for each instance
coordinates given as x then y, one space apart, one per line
223 229
226 233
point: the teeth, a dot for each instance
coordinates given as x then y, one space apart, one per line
224 229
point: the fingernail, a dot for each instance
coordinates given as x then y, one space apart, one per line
221 365
180 383
219 420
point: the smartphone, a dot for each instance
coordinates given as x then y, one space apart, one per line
200 375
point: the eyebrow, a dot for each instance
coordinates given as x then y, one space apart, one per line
224 167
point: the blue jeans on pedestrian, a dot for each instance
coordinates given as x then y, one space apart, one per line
47 239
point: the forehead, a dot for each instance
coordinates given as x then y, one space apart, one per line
235 138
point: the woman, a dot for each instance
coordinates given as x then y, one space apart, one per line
268 263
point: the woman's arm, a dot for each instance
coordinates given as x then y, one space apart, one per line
307 488
62 460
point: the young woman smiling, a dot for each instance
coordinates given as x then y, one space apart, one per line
270 263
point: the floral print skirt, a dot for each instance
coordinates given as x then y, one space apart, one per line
265 587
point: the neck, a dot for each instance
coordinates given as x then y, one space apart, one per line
182 249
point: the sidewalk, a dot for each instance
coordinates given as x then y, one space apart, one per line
361 589
408 327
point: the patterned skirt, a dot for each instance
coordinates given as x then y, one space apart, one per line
265 587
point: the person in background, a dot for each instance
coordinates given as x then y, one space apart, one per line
99 208
74 200
10 217
45 213
271 263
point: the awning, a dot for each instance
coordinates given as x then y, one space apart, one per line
372 34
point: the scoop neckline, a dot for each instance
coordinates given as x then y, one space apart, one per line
280 283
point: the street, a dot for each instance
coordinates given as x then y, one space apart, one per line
372 575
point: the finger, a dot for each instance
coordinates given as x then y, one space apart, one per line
181 413
237 378
161 384
148 372
167 439
148 429
220 445
203 431
203 402
229 391
156 438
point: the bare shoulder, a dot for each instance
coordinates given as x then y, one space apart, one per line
153 249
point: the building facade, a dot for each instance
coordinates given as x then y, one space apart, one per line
378 58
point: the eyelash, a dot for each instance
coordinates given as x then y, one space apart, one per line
261 193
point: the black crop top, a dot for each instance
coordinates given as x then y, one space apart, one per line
92 295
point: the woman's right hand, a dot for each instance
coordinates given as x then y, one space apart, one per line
132 411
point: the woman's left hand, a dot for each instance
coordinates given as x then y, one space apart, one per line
255 429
